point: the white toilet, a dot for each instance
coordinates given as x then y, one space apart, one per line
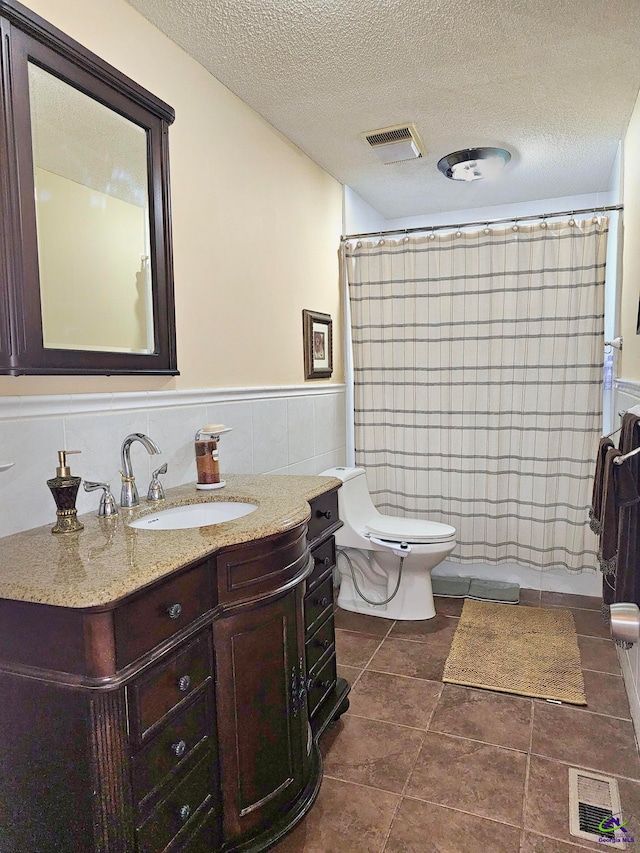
372 547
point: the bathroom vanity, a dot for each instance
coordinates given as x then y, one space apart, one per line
166 689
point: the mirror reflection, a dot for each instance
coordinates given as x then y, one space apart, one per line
92 214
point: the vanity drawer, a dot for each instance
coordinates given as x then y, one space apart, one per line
165 685
247 571
179 809
324 558
318 604
172 747
161 611
320 684
320 643
324 514
207 837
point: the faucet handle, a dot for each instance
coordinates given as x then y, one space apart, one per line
108 505
156 491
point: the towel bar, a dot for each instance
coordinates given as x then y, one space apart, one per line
620 459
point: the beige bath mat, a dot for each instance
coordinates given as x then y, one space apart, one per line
530 651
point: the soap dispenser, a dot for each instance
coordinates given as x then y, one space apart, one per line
64 489
207 462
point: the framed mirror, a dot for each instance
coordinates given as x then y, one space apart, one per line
87 284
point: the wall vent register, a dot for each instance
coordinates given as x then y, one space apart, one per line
595 812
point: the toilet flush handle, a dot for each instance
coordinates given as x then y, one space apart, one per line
400 549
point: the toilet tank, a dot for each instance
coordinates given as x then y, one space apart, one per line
354 504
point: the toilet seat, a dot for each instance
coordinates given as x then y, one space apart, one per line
416 530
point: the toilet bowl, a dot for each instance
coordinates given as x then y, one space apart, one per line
373 547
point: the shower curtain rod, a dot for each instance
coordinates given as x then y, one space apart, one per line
514 219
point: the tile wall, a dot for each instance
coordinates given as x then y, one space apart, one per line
292 430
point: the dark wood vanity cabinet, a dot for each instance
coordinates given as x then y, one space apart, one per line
265 747
327 694
185 717
173 754
120 763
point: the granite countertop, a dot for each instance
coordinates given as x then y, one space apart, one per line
109 559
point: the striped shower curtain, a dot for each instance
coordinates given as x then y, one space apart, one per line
478 383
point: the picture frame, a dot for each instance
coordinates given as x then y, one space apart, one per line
317 335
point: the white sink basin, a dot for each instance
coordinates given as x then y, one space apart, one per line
193 515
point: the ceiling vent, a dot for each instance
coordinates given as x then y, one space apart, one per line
395 144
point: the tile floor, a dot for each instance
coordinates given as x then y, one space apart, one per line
416 765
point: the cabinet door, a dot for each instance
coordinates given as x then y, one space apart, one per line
262 712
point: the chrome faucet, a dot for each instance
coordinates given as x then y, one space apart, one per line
129 493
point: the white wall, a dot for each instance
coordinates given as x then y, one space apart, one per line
630 291
360 218
627 386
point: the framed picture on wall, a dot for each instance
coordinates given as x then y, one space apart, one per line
318 345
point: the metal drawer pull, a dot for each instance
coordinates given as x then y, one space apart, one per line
322 685
178 748
174 611
298 687
326 514
323 644
185 813
326 562
323 602
184 683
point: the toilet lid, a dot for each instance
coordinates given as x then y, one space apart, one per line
409 529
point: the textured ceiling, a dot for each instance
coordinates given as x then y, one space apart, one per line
554 81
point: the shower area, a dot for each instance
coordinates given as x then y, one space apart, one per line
477 379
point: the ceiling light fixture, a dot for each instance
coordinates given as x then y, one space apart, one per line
472 164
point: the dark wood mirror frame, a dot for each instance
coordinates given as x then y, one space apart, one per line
27 37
